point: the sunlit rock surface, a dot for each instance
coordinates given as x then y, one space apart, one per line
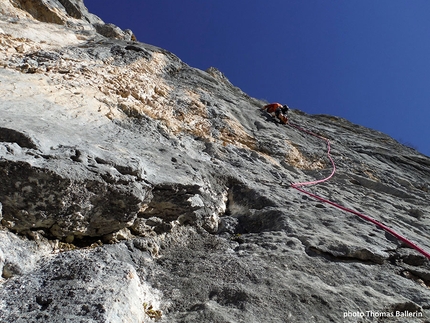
135 188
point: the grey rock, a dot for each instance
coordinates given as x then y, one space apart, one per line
42 10
112 31
86 286
137 188
63 205
61 11
19 256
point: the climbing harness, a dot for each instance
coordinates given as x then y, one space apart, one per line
298 186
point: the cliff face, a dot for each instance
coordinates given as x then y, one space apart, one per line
136 188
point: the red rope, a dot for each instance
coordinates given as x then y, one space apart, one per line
361 215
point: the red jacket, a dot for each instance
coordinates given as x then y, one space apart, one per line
272 107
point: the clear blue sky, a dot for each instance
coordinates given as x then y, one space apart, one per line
364 60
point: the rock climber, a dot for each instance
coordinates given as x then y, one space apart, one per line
278 110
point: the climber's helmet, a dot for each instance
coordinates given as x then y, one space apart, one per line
285 109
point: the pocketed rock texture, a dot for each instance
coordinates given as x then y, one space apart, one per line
135 188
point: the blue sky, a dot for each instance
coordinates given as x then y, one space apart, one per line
364 60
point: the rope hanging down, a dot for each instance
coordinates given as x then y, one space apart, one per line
298 186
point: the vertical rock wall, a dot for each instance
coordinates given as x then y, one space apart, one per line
137 188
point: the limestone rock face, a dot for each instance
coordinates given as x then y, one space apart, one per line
135 188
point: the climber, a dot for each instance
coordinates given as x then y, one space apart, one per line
278 110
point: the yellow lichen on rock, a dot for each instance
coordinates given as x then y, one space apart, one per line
140 88
236 135
298 160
